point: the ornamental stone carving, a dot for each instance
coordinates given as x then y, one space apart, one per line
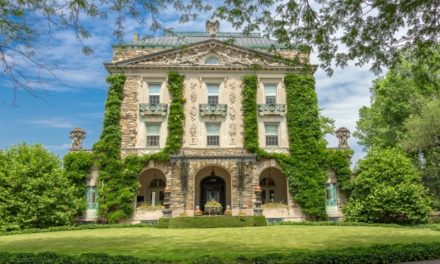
77 135
343 134
232 132
196 55
213 27
193 113
193 133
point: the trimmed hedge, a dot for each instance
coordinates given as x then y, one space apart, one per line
212 222
375 254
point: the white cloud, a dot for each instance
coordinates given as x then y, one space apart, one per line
52 122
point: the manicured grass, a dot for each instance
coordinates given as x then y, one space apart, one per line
180 244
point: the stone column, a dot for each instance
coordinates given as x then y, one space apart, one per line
167 212
257 209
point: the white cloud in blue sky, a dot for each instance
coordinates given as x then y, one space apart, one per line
78 97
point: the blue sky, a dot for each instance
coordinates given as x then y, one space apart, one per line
77 98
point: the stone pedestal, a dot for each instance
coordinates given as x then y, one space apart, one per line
167 212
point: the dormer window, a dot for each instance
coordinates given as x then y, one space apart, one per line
212 60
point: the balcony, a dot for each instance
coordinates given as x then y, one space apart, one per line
272 109
153 110
213 110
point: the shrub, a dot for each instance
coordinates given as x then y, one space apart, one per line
211 222
387 189
34 193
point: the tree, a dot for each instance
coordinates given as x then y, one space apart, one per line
340 31
387 189
33 191
395 117
423 139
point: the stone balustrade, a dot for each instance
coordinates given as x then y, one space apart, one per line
213 109
272 109
153 109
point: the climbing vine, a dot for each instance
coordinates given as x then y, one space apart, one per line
77 166
119 177
339 161
305 165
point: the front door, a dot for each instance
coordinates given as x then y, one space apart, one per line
212 189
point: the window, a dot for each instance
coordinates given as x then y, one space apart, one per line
271 134
153 132
212 60
267 190
270 93
92 197
154 93
213 134
213 94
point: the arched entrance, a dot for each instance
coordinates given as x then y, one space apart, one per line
213 188
273 186
151 190
212 183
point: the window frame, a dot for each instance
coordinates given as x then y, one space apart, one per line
154 98
270 137
213 97
210 137
270 99
149 136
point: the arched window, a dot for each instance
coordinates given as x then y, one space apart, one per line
157 183
212 60
267 190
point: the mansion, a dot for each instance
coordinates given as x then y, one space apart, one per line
212 165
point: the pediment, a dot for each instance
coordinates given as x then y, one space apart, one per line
207 53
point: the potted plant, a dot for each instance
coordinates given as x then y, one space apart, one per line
213 207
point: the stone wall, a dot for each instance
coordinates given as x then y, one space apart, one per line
129 112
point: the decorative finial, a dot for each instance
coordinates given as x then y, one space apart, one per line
77 135
213 27
343 134
136 37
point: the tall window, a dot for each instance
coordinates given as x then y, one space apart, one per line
92 196
270 93
213 134
267 190
154 93
153 134
213 91
271 134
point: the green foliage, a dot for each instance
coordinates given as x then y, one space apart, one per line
34 193
115 189
77 166
375 254
403 113
85 258
305 166
211 222
249 104
387 189
339 161
119 177
176 117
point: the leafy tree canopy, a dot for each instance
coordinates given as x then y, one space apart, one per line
33 190
340 31
387 189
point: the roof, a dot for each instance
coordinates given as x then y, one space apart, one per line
176 39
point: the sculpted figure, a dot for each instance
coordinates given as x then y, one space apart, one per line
343 134
77 135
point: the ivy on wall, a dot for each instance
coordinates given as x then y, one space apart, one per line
77 166
305 166
339 161
119 178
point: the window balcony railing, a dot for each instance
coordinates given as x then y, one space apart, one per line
213 109
272 109
153 110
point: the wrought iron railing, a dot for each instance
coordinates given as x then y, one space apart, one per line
153 109
271 109
213 109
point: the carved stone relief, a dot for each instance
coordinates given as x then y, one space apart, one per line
196 56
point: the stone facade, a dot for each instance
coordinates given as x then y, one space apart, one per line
221 171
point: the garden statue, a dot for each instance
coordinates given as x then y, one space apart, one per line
343 134
77 135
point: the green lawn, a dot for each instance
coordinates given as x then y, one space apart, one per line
179 244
